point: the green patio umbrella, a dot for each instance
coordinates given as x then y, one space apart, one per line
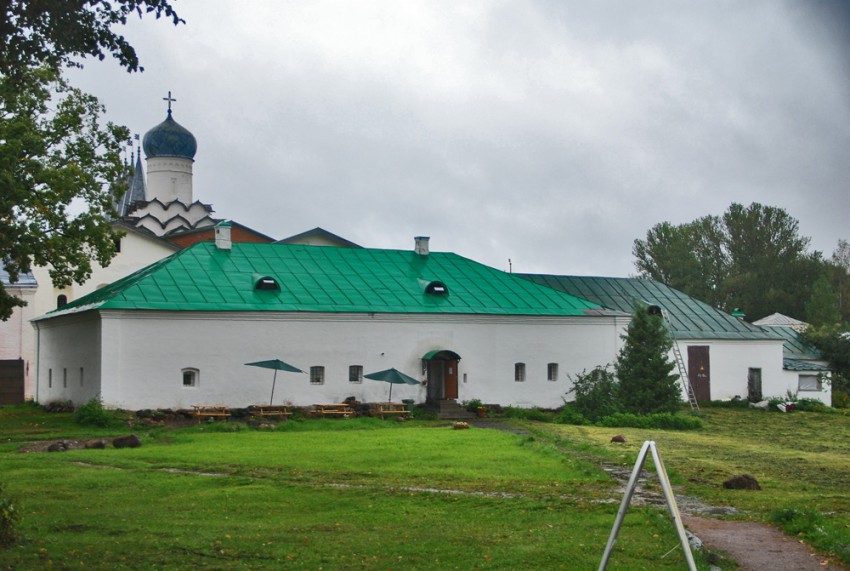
277 365
393 377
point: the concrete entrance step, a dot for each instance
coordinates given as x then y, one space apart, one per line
451 410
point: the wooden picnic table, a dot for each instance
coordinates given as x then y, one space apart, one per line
210 411
335 409
384 409
276 410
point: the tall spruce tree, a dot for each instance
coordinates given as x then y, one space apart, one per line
647 381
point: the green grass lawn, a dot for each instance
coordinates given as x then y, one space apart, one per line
346 494
801 460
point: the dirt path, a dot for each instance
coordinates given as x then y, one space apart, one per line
757 546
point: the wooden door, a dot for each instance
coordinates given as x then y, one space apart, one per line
11 381
450 382
699 371
754 393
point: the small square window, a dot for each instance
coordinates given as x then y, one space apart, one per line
809 383
519 372
190 377
355 374
552 372
317 375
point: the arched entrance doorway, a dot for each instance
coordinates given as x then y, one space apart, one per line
441 368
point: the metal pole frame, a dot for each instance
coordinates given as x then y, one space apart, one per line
648 446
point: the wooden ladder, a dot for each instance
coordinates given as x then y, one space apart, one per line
680 363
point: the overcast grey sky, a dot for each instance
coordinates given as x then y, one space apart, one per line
550 133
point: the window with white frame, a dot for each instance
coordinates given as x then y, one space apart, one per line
317 375
355 374
552 372
191 377
809 382
519 372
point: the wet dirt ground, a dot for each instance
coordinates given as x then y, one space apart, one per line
757 546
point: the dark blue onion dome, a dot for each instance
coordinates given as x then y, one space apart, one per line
169 139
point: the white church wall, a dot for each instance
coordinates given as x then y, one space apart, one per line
68 364
136 253
16 337
730 362
145 354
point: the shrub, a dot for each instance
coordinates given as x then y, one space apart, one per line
813 405
664 420
570 415
419 412
596 393
527 413
93 413
472 405
8 519
840 398
732 403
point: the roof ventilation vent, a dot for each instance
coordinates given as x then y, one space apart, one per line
265 283
436 288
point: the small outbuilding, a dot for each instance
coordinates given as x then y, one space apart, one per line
724 356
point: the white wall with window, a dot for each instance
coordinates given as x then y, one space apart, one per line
519 372
150 376
355 374
809 382
317 375
191 377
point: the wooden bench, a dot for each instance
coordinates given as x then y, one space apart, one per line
384 409
266 410
210 411
337 409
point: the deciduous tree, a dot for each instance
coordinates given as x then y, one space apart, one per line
822 307
50 158
752 257
54 147
37 33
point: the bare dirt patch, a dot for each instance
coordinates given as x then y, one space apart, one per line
757 546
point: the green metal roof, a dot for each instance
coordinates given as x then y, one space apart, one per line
321 279
802 366
689 317
794 346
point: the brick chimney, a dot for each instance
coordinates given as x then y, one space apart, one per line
222 235
421 247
